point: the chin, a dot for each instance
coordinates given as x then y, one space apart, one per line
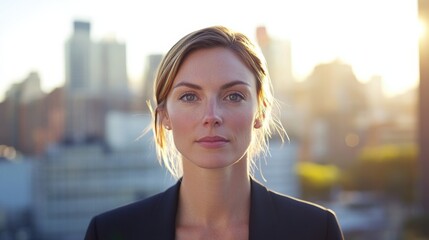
219 162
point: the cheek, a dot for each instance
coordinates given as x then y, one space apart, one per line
242 122
183 130
181 121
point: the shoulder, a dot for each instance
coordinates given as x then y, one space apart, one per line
287 204
293 217
144 218
305 209
301 215
125 222
128 213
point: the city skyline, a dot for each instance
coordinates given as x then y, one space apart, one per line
375 38
61 152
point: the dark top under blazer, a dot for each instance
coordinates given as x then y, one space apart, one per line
272 216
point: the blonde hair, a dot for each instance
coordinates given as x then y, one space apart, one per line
211 37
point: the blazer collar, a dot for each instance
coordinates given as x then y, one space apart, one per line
166 212
263 217
262 222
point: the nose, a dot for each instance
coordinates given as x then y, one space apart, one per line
212 114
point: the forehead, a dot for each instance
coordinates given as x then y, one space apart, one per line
214 66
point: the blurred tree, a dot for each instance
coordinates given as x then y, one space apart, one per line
317 181
389 169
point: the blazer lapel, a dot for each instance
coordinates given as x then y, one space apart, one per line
164 214
263 219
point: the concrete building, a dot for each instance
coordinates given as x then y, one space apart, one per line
22 114
278 54
376 100
15 198
110 68
78 59
278 171
128 131
95 67
96 82
77 182
335 101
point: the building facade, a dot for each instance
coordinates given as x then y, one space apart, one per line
96 82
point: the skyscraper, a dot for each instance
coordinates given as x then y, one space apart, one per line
278 55
22 114
78 58
111 69
96 82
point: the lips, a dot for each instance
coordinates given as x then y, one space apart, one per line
212 139
212 142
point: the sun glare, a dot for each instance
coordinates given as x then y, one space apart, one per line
422 29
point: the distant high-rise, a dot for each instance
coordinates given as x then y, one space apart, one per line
82 27
78 58
112 67
96 82
30 119
95 67
26 91
335 100
17 125
278 55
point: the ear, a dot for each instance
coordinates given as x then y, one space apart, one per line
164 119
258 123
259 119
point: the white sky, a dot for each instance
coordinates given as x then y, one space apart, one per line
376 37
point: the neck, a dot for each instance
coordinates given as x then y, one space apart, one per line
214 197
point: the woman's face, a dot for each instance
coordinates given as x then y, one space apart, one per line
211 109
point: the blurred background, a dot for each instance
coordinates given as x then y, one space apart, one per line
75 77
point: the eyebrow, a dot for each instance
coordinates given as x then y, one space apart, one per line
223 87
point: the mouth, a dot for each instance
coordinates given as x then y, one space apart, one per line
212 142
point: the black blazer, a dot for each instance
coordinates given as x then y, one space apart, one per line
272 216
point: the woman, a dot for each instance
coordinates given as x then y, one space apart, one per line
212 119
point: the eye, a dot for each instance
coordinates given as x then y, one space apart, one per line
235 97
188 97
